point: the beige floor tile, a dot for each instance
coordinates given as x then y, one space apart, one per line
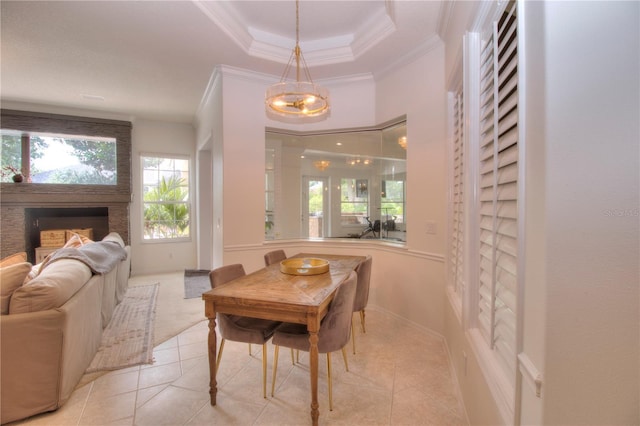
164 356
107 410
158 375
193 350
146 394
114 384
400 375
172 406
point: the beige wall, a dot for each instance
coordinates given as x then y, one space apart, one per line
156 137
356 102
589 136
580 299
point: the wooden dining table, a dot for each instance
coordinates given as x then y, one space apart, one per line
271 294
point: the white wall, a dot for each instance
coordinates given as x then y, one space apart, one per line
155 137
417 89
581 324
588 106
415 291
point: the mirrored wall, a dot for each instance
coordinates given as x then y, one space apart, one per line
337 184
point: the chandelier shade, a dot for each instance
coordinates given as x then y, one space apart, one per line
297 98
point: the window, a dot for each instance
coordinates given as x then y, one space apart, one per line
354 201
392 202
456 200
484 157
326 184
498 192
166 203
59 159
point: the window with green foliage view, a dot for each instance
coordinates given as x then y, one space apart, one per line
58 159
166 202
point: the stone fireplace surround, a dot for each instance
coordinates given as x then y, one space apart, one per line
16 197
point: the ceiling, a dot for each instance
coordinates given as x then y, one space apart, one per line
153 59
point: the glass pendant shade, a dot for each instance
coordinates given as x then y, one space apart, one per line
297 98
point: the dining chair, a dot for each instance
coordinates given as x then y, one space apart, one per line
238 328
274 256
332 336
363 270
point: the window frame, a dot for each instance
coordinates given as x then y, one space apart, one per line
189 203
28 121
355 201
503 386
26 139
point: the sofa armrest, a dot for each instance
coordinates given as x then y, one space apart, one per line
30 363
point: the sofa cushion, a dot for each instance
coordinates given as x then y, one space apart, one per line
11 278
13 259
52 288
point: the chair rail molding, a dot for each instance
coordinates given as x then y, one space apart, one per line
530 373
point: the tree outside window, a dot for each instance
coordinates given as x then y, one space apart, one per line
59 159
166 203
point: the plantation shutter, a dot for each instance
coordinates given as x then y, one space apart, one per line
457 236
498 190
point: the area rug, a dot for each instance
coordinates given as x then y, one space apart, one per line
196 282
128 339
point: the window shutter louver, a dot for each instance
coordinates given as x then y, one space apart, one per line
498 191
457 237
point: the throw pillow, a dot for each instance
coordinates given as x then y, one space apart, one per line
11 278
85 240
74 242
13 259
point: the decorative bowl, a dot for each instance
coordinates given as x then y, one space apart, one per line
304 266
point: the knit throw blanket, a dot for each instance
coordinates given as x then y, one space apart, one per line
100 256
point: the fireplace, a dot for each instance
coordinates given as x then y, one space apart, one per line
42 219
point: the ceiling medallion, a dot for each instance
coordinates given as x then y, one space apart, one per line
297 98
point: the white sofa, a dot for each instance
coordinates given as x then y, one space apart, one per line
53 331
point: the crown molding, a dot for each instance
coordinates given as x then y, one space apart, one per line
326 51
421 50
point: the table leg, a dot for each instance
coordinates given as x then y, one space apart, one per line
213 384
313 364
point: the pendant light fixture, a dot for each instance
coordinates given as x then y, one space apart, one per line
299 98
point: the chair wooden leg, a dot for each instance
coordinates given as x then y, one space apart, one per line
249 349
219 355
362 320
330 384
275 368
344 356
293 362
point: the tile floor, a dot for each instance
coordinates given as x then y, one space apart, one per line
399 376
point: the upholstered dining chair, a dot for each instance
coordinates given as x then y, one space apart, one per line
332 336
363 270
238 328
274 256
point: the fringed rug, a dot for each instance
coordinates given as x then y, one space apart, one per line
196 282
128 339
